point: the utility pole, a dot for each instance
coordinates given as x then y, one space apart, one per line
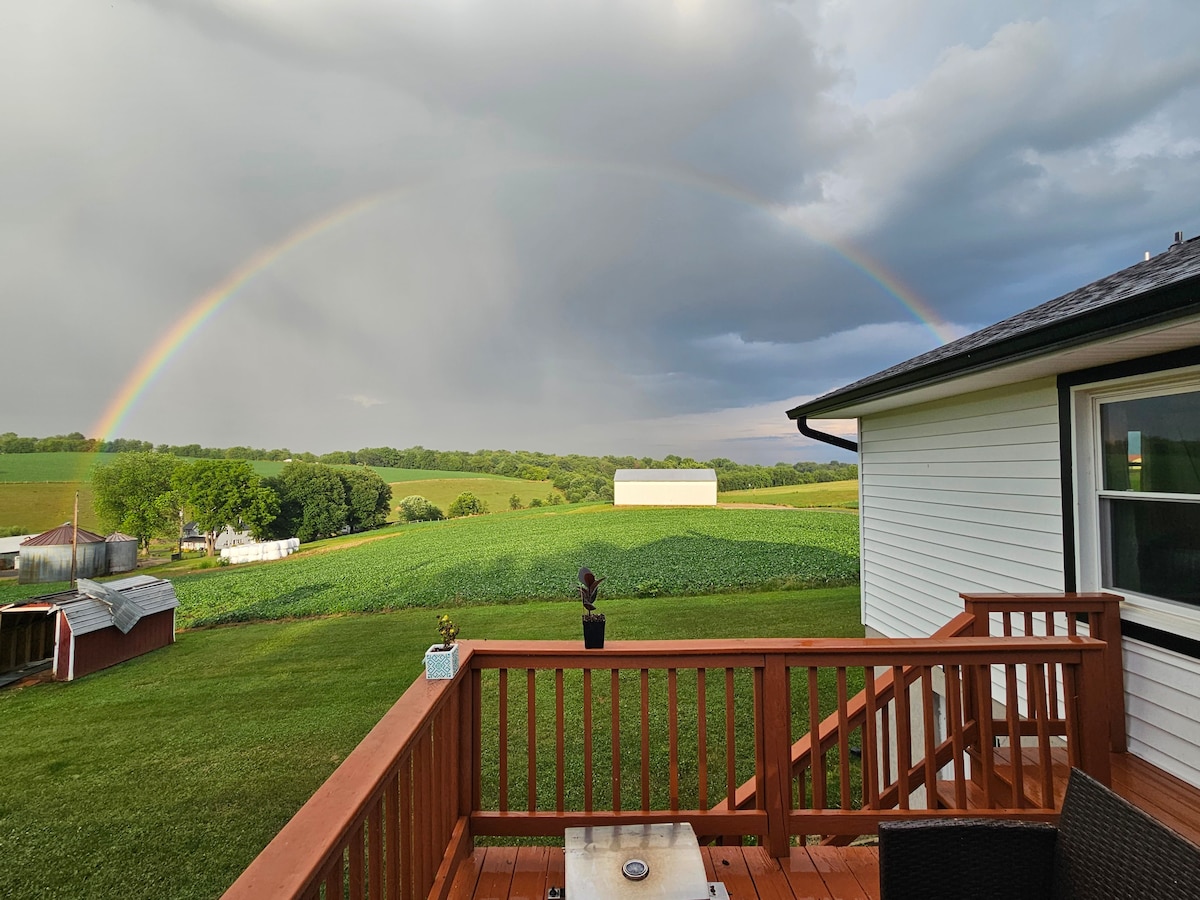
75 542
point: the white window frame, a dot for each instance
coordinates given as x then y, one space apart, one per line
1155 612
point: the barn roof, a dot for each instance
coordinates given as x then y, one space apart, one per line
1162 289
665 475
87 614
62 535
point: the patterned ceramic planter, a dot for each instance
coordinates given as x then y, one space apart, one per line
440 662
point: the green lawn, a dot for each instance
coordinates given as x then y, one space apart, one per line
828 493
51 466
492 489
39 507
164 776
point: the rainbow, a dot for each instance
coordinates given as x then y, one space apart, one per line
206 306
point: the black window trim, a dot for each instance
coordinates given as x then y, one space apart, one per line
1147 365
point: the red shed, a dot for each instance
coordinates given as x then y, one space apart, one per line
90 628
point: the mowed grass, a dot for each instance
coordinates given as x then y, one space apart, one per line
830 493
536 554
51 466
165 776
40 507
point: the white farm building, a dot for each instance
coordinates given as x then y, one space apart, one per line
665 487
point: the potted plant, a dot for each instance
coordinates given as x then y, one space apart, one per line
441 660
593 622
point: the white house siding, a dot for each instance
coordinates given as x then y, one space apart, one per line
1162 704
959 495
964 495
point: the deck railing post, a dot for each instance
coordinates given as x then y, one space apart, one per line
1105 625
1092 709
776 734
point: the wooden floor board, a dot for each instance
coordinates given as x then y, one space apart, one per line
729 868
495 875
864 863
802 875
529 874
842 883
769 881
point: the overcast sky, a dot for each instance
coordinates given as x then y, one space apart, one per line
565 225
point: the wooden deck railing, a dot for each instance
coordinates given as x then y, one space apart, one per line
533 737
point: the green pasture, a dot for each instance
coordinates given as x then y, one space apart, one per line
842 494
51 466
164 776
40 507
495 490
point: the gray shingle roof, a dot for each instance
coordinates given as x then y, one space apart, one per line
1159 289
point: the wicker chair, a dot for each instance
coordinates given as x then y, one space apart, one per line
1103 847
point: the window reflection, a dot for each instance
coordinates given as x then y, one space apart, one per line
1152 444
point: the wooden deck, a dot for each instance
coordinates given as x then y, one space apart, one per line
748 873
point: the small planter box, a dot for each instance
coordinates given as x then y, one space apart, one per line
441 663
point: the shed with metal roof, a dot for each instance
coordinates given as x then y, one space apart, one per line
47 557
91 628
665 487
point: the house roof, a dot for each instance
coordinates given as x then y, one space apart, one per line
62 535
665 475
1157 291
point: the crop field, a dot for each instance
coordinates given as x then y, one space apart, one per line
198 753
51 466
536 554
842 494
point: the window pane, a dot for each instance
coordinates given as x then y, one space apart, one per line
1152 444
1154 548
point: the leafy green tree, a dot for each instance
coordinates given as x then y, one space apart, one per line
225 492
368 498
135 494
312 501
415 508
514 502
466 504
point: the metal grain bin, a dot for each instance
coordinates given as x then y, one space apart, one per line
47 557
122 552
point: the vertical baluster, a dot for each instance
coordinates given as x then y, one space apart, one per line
817 756
843 697
701 739
375 850
531 738
1072 625
422 838
645 739
391 835
503 740
616 740
730 745
954 724
673 736
1006 619
335 878
1028 624
885 743
355 852
870 757
1056 711
407 831
930 737
587 740
903 736
1070 704
560 739
1012 715
1035 686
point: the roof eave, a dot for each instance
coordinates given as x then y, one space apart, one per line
1154 307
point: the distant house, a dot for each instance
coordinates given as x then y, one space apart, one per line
1058 450
10 550
82 631
193 538
665 487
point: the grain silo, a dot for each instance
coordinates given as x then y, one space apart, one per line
122 552
47 557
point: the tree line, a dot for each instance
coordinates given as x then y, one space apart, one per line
149 495
578 477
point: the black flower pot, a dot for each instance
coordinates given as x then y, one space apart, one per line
593 632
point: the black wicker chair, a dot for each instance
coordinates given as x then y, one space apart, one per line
1104 848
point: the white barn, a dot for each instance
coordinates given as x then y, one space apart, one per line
1058 450
665 487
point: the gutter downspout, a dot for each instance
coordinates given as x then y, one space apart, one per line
842 443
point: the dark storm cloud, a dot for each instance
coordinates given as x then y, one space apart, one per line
603 228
